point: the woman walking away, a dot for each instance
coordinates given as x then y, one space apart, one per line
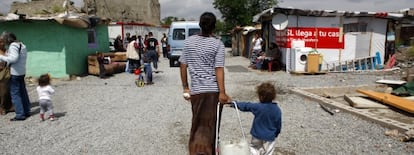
203 57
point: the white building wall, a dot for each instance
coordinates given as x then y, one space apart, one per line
379 27
114 30
137 30
356 44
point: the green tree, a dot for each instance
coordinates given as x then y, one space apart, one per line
241 12
221 27
168 20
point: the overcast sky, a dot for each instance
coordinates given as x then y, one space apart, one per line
192 9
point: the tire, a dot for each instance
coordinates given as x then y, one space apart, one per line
172 62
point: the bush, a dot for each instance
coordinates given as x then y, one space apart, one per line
411 51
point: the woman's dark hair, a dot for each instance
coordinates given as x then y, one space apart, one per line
207 23
44 80
8 37
266 92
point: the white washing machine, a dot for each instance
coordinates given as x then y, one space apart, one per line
299 58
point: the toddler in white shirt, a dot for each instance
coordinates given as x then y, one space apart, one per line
45 91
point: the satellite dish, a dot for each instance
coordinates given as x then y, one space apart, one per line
280 21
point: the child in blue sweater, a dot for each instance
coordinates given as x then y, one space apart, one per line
267 120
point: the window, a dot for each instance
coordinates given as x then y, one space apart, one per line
355 27
193 32
92 41
179 34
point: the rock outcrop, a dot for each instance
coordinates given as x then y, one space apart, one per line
138 11
41 7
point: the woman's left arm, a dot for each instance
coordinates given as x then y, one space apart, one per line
12 55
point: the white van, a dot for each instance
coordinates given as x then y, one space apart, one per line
178 32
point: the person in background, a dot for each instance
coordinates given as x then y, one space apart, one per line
256 49
267 121
147 68
16 57
127 40
5 100
132 54
259 61
273 55
45 91
141 47
118 45
146 38
164 46
153 50
101 58
203 56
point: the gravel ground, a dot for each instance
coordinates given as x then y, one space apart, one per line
113 116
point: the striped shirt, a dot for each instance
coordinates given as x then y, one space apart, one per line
202 56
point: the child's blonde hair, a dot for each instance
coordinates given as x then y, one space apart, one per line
266 92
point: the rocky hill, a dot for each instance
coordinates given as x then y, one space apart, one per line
139 11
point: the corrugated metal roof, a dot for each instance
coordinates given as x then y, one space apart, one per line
325 13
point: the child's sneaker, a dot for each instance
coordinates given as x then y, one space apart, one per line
52 117
42 118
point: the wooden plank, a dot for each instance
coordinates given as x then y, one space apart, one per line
410 98
395 82
307 73
363 103
389 99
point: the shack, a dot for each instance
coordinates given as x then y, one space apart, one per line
242 39
60 44
338 36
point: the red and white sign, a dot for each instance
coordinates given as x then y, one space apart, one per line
314 37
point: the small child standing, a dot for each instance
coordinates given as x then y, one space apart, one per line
45 91
101 59
267 120
147 68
